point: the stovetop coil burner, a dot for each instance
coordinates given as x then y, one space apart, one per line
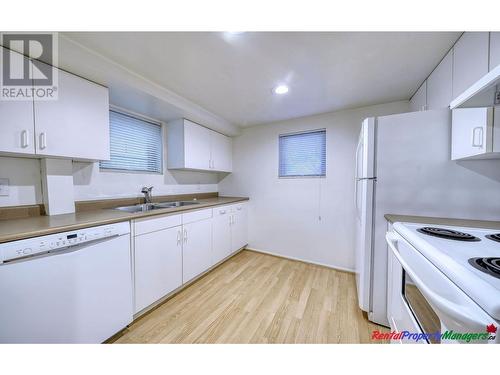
448 234
494 237
490 265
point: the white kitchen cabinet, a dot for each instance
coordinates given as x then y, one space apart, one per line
197 248
230 230
239 226
494 49
439 84
221 152
418 102
470 60
194 147
157 265
221 229
76 125
472 135
16 121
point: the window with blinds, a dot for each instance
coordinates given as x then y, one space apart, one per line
303 154
136 144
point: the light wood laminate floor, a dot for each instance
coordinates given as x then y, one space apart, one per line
258 298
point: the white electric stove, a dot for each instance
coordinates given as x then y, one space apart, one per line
450 281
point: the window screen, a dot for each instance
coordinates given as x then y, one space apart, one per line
136 145
302 154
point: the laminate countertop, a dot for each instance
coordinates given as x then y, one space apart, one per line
443 221
18 229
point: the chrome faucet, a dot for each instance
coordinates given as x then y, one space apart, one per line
148 196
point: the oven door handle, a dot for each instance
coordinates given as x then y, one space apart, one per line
458 313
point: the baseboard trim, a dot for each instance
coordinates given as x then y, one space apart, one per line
336 268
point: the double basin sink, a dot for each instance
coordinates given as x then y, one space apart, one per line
154 206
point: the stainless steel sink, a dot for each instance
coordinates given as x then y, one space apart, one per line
154 206
139 207
176 204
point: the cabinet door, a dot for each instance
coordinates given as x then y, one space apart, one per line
221 232
221 152
197 248
439 84
196 146
494 49
418 102
471 132
470 60
239 227
158 265
16 119
76 125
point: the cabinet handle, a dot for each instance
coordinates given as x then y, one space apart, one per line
477 129
43 141
25 142
185 236
179 235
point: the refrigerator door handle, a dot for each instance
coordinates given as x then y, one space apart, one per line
366 178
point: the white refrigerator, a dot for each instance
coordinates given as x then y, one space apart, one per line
404 166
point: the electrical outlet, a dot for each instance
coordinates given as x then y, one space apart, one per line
4 187
497 98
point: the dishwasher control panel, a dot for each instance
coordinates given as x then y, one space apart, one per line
34 246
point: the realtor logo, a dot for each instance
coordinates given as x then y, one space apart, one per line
27 62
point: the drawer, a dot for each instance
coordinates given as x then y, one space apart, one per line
238 207
221 211
148 225
191 217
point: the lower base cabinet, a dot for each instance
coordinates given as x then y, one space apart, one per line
230 230
171 250
197 249
221 229
239 226
158 265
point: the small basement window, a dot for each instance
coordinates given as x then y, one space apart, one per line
303 154
136 144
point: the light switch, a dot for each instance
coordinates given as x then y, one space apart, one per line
4 187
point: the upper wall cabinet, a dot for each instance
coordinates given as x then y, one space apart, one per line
192 146
473 134
439 84
470 60
75 126
418 101
494 50
16 122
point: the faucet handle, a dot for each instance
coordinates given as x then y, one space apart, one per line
146 189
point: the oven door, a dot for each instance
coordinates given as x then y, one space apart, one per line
399 314
436 304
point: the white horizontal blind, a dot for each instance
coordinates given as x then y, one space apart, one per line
136 145
302 154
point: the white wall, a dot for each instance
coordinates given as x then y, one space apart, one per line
24 181
310 219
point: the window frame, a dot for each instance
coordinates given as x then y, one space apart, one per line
142 118
298 133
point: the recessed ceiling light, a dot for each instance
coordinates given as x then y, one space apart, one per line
281 89
234 32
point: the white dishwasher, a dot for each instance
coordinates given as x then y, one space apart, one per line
71 287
